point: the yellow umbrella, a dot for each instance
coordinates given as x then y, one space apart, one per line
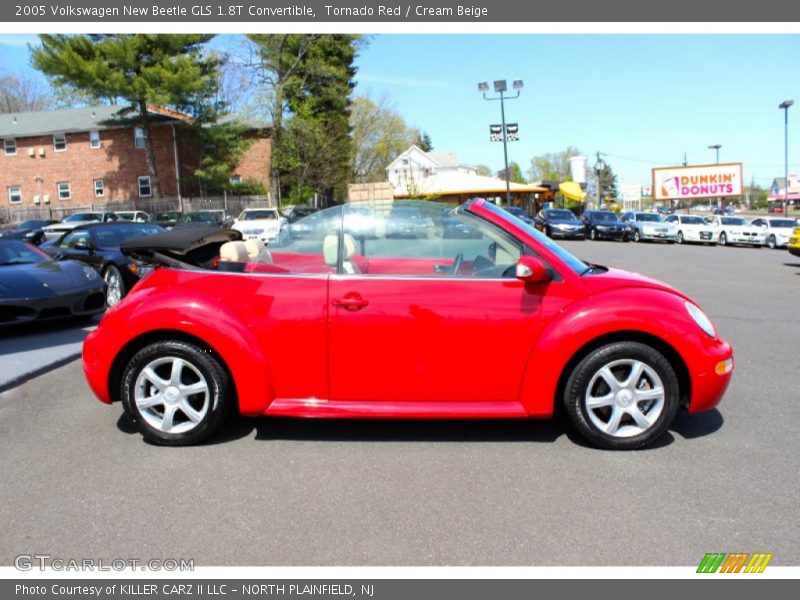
572 191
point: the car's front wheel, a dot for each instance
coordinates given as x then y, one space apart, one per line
723 239
115 286
772 243
637 237
622 396
680 237
177 393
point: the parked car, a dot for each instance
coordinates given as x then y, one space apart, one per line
737 230
453 227
691 228
98 246
649 226
293 213
406 221
794 242
559 223
777 230
403 332
31 231
605 225
167 219
72 221
264 224
205 217
34 287
520 214
139 216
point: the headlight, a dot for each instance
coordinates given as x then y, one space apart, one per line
90 273
703 322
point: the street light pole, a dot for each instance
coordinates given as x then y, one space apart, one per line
501 86
785 106
717 147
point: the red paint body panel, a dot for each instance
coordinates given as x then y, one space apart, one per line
318 344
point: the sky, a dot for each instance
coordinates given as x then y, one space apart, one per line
641 100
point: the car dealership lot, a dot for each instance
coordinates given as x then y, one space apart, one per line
291 492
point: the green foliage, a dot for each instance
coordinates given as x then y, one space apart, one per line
249 187
483 170
379 136
221 147
310 79
553 165
608 181
424 142
516 173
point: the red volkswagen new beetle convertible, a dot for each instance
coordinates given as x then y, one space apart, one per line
463 314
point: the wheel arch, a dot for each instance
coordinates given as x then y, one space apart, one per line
159 335
648 339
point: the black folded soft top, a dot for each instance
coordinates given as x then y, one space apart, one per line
181 247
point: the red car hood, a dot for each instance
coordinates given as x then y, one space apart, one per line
610 279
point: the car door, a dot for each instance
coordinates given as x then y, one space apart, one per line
79 245
409 328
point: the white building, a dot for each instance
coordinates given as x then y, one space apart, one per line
409 173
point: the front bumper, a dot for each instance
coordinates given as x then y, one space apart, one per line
710 374
82 303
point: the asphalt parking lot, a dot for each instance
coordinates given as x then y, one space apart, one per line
294 492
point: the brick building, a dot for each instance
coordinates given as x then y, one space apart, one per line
79 157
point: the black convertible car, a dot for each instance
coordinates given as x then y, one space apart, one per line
98 246
34 287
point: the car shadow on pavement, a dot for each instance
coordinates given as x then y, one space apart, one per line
698 425
392 430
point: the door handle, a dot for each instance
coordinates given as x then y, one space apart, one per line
351 301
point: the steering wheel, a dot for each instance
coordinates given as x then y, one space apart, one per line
457 264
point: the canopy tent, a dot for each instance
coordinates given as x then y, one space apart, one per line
572 191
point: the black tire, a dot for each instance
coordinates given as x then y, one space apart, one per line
548 232
617 354
723 239
216 402
111 273
680 237
637 237
772 243
593 234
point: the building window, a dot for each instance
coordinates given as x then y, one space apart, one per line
236 179
145 191
14 194
59 142
138 137
94 139
64 190
10 146
99 188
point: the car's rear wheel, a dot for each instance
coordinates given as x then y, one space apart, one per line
176 392
622 396
115 286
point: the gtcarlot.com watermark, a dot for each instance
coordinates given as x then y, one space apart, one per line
45 562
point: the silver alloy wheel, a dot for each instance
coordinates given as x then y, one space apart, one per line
723 239
172 395
772 242
624 398
113 281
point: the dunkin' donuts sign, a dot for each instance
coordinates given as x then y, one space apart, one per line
705 181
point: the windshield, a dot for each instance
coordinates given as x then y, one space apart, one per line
782 223
692 220
565 215
200 218
18 253
252 215
733 221
648 217
83 217
604 217
574 263
32 224
112 237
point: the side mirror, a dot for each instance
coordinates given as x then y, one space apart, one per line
83 245
531 269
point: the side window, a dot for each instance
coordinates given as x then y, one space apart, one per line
72 238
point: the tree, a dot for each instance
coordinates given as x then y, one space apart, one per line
483 170
139 69
553 166
424 142
220 146
20 93
379 136
608 182
516 173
